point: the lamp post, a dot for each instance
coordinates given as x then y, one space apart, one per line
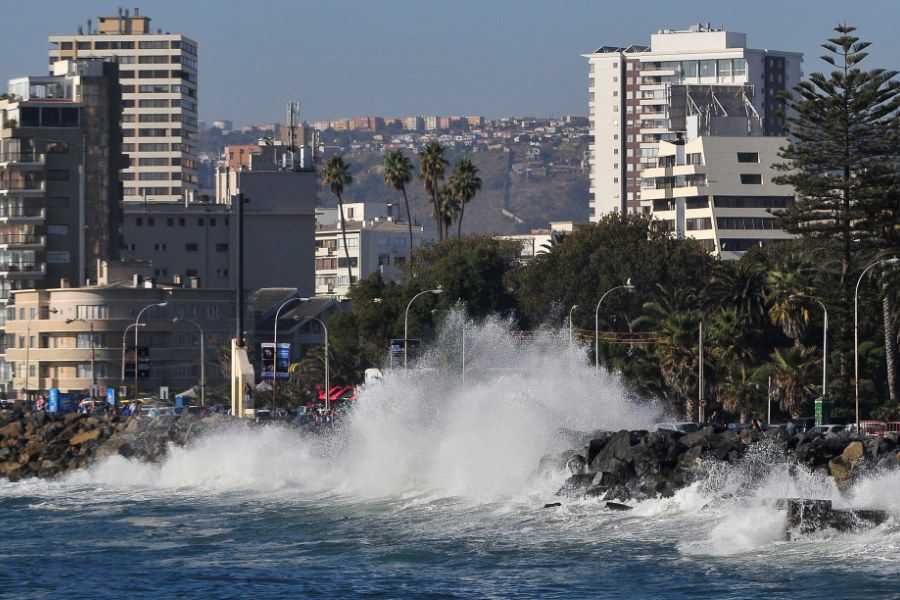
797 297
436 291
275 344
93 356
890 262
327 380
202 359
136 329
628 287
571 325
125 335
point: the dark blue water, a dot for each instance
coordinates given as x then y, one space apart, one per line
102 541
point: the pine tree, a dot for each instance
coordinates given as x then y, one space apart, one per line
842 157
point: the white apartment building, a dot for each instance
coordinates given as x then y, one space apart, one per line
158 74
700 81
719 190
376 242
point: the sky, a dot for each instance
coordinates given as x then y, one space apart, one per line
399 57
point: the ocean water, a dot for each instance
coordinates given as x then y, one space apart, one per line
432 489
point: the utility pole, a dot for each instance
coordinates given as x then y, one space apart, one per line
239 333
701 412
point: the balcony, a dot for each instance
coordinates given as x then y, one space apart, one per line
22 215
23 270
21 187
22 241
22 159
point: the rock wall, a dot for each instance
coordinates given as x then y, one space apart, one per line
42 444
640 464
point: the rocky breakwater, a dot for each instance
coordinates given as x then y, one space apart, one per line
640 464
41 444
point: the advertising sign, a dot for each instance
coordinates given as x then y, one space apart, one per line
139 360
396 352
53 400
111 396
276 362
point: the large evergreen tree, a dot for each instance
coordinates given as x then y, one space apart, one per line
842 159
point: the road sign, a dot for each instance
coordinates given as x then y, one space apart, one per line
396 351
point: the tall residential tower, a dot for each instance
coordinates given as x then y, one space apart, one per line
700 81
158 74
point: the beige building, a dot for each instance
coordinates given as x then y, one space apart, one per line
158 74
375 241
686 83
718 190
69 338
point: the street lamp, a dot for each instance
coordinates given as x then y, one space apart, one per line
125 335
136 329
571 326
327 380
797 297
436 291
93 357
627 287
202 359
275 343
889 262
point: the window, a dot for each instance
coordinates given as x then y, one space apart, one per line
58 257
83 340
384 260
151 221
191 247
159 247
707 68
181 221
170 221
724 69
748 157
698 224
221 247
139 221
92 311
751 179
753 201
153 45
740 67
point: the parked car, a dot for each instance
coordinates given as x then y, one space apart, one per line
682 426
826 429
869 427
738 427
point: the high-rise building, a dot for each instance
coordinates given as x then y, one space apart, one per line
60 156
700 81
158 73
719 190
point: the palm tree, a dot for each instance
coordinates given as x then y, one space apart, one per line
792 383
432 164
465 184
666 303
678 359
741 390
449 204
336 175
398 171
791 274
740 284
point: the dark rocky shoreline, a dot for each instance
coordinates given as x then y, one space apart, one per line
42 444
629 465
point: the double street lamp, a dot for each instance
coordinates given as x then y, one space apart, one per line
202 358
436 291
799 297
628 287
889 262
137 322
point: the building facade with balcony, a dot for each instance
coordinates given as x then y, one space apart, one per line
718 190
700 81
71 338
60 157
158 73
375 241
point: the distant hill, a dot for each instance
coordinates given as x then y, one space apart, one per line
509 202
